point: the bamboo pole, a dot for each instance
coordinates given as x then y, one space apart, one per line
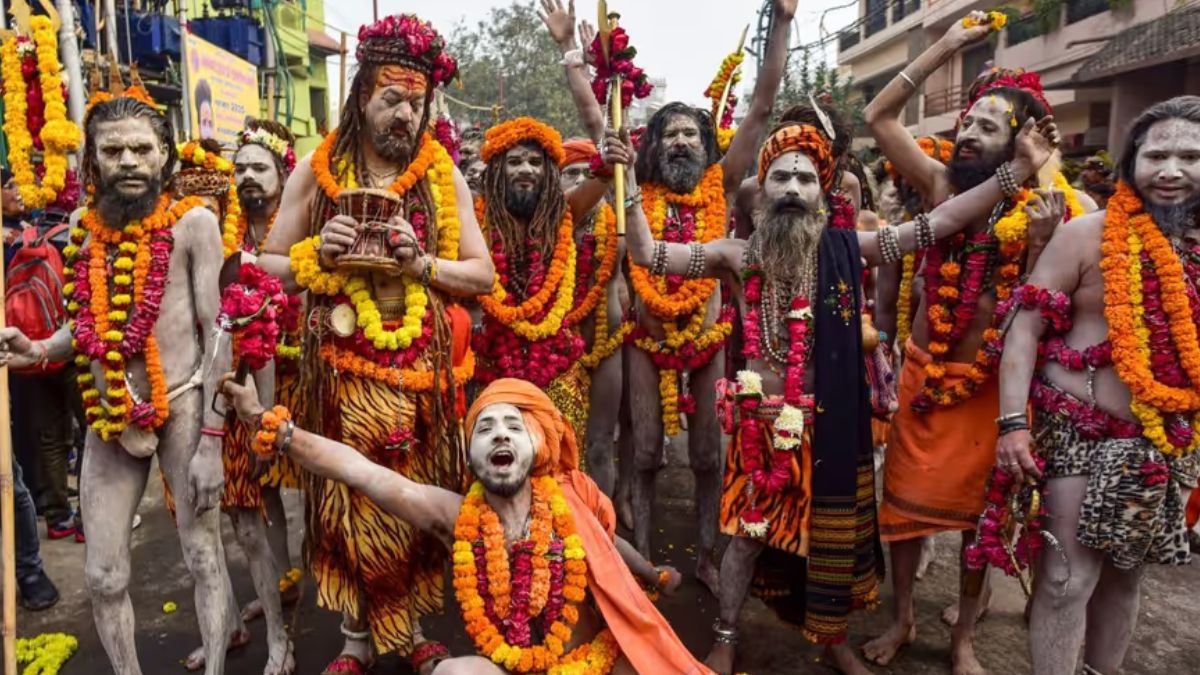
342 74
7 519
606 22
729 82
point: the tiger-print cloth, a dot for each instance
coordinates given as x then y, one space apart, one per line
243 490
284 472
1134 521
366 561
570 394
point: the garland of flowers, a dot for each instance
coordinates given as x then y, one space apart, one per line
258 297
1012 511
904 300
634 82
544 577
234 223
952 297
410 380
729 74
603 239
113 327
1152 325
53 132
996 20
46 653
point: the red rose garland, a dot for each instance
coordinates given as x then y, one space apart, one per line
257 297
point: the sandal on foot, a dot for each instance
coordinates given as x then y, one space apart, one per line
345 664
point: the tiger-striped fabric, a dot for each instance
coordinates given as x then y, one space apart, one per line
284 472
570 393
366 561
788 511
242 489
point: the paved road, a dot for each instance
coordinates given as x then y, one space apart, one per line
1167 640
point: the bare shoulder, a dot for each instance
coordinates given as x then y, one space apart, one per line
198 227
1085 200
1078 238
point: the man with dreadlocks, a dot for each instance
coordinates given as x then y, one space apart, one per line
943 438
143 298
799 475
387 355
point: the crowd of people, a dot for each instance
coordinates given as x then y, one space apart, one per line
465 361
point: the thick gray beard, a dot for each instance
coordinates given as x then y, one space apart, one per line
391 148
783 240
1175 220
681 176
116 210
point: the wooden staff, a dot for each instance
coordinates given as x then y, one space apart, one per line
8 551
606 22
729 83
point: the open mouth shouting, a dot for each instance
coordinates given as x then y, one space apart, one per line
502 458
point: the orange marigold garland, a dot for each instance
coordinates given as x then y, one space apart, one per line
268 432
1129 234
501 596
700 217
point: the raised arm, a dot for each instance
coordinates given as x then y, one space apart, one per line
1034 145
745 142
1058 269
561 24
426 507
883 113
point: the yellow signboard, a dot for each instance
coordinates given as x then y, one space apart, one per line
222 91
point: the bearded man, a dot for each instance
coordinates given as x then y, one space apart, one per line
144 304
681 327
799 479
1115 399
942 442
384 365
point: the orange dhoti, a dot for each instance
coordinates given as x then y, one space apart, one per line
937 463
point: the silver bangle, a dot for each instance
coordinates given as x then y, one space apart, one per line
1008 180
889 245
904 76
658 262
925 234
695 267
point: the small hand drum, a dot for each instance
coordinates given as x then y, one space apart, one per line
371 209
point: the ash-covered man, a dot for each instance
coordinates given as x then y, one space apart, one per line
942 441
799 477
538 572
384 369
1112 303
142 291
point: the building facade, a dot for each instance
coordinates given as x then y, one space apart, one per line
1099 65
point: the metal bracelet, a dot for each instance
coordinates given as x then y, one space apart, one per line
658 263
695 267
724 636
361 636
573 58
1013 426
1008 180
925 234
287 437
1011 416
904 76
427 273
889 245
633 200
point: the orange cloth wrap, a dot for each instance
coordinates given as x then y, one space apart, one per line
577 151
799 138
643 635
938 462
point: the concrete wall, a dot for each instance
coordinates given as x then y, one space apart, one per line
1137 90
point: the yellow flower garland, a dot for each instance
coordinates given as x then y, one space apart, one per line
1013 227
59 134
416 302
904 301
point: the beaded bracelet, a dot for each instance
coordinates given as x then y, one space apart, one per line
695 268
889 245
1008 180
925 235
268 431
658 262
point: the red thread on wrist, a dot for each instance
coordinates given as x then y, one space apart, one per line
215 433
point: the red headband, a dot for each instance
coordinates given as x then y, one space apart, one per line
1025 80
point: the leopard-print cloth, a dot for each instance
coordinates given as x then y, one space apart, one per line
1126 513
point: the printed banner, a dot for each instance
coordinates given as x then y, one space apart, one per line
222 91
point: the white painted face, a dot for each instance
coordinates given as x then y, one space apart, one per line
1166 169
501 449
574 175
986 130
129 157
256 173
790 178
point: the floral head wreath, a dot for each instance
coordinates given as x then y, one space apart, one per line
799 138
406 40
202 172
1011 78
278 146
504 136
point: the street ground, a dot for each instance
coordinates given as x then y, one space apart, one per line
1167 639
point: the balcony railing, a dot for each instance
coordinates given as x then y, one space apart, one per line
945 101
879 15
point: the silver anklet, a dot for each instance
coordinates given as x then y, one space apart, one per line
362 636
724 636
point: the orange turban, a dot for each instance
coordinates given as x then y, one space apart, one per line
799 138
553 436
504 136
578 150
645 637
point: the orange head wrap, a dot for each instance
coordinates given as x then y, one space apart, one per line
553 436
504 136
799 138
576 151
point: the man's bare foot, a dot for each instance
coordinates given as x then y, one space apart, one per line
281 661
884 648
962 656
253 610
844 658
708 574
237 640
720 659
950 614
